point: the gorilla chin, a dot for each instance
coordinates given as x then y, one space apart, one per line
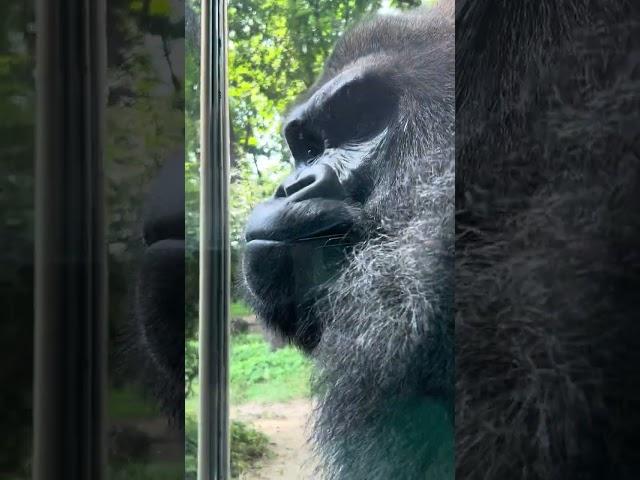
286 306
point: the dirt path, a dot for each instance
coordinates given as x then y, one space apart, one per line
286 426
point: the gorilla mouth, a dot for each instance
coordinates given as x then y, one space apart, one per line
283 221
333 233
287 271
292 251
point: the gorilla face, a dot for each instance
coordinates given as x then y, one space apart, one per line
298 239
375 124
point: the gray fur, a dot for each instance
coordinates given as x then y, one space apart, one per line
547 236
384 378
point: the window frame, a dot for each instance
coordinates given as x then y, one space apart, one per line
215 257
70 298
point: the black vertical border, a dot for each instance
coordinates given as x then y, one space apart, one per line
70 254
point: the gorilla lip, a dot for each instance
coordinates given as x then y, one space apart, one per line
294 222
335 232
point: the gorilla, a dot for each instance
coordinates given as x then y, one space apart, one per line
353 257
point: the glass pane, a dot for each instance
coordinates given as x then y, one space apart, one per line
145 204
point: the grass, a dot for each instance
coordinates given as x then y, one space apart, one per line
257 375
240 309
261 375
127 403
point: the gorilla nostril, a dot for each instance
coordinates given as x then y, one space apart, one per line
317 181
298 185
280 191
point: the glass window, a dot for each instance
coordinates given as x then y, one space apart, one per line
144 189
276 52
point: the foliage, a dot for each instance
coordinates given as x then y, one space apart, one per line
145 110
190 365
240 309
248 446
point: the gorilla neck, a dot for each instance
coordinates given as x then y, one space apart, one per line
384 375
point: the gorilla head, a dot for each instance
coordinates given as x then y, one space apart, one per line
352 259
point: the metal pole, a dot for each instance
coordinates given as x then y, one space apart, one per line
70 259
213 436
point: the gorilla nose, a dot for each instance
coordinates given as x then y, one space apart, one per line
317 181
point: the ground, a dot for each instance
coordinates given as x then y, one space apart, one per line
286 425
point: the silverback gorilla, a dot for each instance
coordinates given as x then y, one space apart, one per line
353 257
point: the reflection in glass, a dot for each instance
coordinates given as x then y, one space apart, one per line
145 203
17 139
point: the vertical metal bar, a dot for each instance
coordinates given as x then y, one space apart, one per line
213 437
70 255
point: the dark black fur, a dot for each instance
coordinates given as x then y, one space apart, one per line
547 255
158 317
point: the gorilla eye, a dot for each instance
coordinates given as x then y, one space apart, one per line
304 143
360 108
